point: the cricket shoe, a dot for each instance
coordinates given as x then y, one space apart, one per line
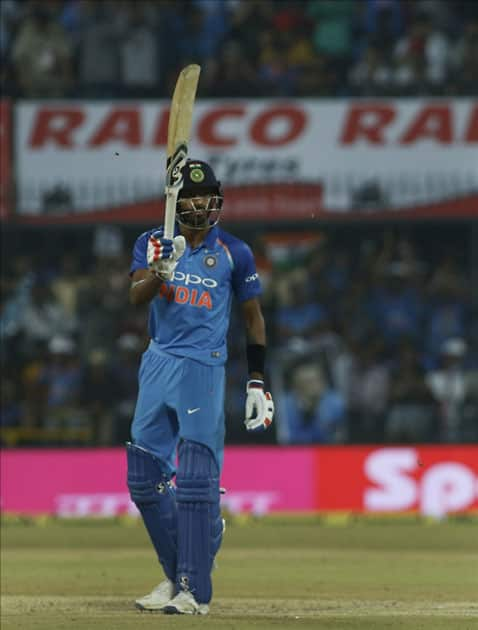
185 604
158 598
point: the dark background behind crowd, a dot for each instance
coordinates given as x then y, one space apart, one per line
373 329
372 335
247 48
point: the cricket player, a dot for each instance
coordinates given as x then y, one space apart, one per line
189 282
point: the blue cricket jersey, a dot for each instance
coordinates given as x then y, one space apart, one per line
190 315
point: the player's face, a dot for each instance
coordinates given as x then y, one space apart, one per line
199 213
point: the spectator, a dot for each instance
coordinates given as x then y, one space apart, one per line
449 384
412 409
171 24
321 47
384 390
308 69
193 44
44 317
396 306
298 315
98 395
410 59
102 307
11 16
34 389
231 74
311 411
469 423
216 17
333 33
248 22
98 58
382 23
273 70
368 391
139 60
15 297
464 59
448 307
372 73
62 376
42 56
11 412
437 57
124 373
67 284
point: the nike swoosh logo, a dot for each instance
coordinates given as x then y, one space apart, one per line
194 410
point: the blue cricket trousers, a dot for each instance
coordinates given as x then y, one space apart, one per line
178 398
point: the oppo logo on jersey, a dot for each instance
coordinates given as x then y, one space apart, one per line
191 278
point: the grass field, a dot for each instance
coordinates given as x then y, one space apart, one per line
273 573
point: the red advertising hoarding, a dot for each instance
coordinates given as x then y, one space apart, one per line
430 480
418 154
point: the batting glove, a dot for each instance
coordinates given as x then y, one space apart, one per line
163 254
259 407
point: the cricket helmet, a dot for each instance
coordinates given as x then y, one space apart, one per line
200 198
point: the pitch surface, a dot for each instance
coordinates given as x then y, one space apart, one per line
280 573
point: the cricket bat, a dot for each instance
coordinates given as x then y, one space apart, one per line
179 129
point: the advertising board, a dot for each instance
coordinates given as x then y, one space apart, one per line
430 480
103 155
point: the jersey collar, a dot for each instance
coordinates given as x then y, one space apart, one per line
210 239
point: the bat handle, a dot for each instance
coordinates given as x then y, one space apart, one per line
170 213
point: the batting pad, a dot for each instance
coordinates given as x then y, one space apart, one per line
199 519
154 495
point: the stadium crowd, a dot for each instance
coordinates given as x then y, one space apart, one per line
372 338
247 48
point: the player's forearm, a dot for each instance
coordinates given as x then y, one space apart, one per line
256 334
144 290
256 341
256 338
254 322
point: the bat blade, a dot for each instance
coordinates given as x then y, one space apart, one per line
179 129
182 105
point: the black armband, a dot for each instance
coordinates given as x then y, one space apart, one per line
256 357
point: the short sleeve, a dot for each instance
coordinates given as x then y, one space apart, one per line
139 253
245 279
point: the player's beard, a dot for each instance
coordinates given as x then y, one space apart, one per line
195 219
